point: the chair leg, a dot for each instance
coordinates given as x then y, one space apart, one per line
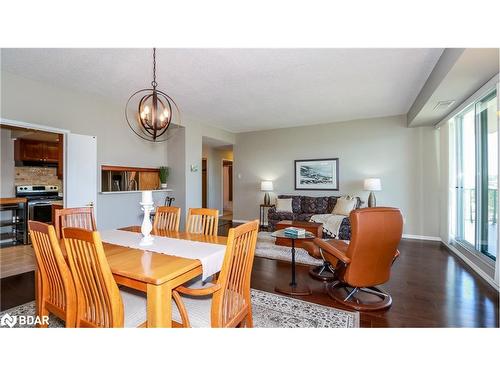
323 272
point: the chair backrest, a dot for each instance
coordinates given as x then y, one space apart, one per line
203 220
376 233
57 288
167 218
232 301
81 217
99 300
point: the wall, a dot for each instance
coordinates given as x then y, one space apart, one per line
214 158
406 160
7 164
36 102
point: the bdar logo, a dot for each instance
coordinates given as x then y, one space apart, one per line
8 320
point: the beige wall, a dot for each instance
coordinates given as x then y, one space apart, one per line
406 160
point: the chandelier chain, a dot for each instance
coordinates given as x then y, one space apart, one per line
154 84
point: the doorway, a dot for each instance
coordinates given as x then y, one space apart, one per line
204 183
227 189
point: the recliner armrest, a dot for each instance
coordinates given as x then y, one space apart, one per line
333 251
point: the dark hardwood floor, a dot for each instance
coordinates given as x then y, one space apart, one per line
430 288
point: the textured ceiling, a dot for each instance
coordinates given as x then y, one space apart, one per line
243 89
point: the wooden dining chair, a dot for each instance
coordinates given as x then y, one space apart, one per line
100 303
55 287
167 218
225 303
203 220
81 217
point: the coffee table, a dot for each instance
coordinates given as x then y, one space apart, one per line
292 288
314 228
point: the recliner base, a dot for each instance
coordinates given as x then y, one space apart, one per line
350 298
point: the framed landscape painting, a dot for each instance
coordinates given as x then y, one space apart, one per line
317 174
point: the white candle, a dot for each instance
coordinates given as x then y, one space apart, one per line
147 196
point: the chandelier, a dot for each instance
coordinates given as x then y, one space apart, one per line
150 112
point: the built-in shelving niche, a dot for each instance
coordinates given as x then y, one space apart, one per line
119 178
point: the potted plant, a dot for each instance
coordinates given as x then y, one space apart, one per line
163 177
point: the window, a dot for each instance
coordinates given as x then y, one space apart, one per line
475 148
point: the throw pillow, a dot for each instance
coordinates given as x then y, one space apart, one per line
344 206
284 205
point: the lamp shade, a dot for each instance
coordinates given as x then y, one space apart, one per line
373 184
266 185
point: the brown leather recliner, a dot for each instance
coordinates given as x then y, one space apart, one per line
366 262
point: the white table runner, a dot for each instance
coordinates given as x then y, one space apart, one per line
210 255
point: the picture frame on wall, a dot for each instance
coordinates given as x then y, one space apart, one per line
317 174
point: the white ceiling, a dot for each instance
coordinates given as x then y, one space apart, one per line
244 89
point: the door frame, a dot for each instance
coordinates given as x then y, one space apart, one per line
50 129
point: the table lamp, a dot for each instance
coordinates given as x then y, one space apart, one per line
371 185
266 186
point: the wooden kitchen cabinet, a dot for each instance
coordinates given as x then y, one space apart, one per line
27 150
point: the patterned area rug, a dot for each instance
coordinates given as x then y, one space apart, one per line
267 249
269 311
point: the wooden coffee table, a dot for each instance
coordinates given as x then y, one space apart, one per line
314 228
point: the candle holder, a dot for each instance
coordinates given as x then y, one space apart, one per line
146 226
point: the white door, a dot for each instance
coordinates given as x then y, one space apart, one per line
81 171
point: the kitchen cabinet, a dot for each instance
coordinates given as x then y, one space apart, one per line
40 152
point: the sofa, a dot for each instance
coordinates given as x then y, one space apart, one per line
303 207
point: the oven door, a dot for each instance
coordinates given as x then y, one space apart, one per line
40 211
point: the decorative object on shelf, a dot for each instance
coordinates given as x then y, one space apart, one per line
147 226
371 185
163 172
150 112
266 186
317 174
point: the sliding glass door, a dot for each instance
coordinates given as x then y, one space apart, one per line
476 162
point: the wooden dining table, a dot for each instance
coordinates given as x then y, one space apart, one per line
157 277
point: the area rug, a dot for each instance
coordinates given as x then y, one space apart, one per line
269 311
267 249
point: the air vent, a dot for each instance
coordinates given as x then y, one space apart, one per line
444 104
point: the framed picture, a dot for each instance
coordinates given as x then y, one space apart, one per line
317 174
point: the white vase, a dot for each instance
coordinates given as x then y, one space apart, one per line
163 185
146 226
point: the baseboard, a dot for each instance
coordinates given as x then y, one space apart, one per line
423 238
471 264
240 221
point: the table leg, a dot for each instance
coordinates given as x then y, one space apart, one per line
159 304
292 288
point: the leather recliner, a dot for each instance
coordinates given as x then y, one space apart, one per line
366 261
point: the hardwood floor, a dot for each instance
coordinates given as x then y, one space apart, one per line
430 288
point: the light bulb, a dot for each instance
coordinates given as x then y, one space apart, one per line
146 109
162 117
165 113
143 115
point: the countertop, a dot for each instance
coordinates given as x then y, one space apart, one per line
12 200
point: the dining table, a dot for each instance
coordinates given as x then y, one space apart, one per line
160 275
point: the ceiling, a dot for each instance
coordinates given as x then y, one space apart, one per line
243 89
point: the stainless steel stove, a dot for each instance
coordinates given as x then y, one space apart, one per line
40 199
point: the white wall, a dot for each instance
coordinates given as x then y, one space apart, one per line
7 164
406 159
35 102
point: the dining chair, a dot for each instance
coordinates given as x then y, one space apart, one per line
203 220
55 287
167 218
225 303
81 217
100 302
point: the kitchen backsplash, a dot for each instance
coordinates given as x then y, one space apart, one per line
37 176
